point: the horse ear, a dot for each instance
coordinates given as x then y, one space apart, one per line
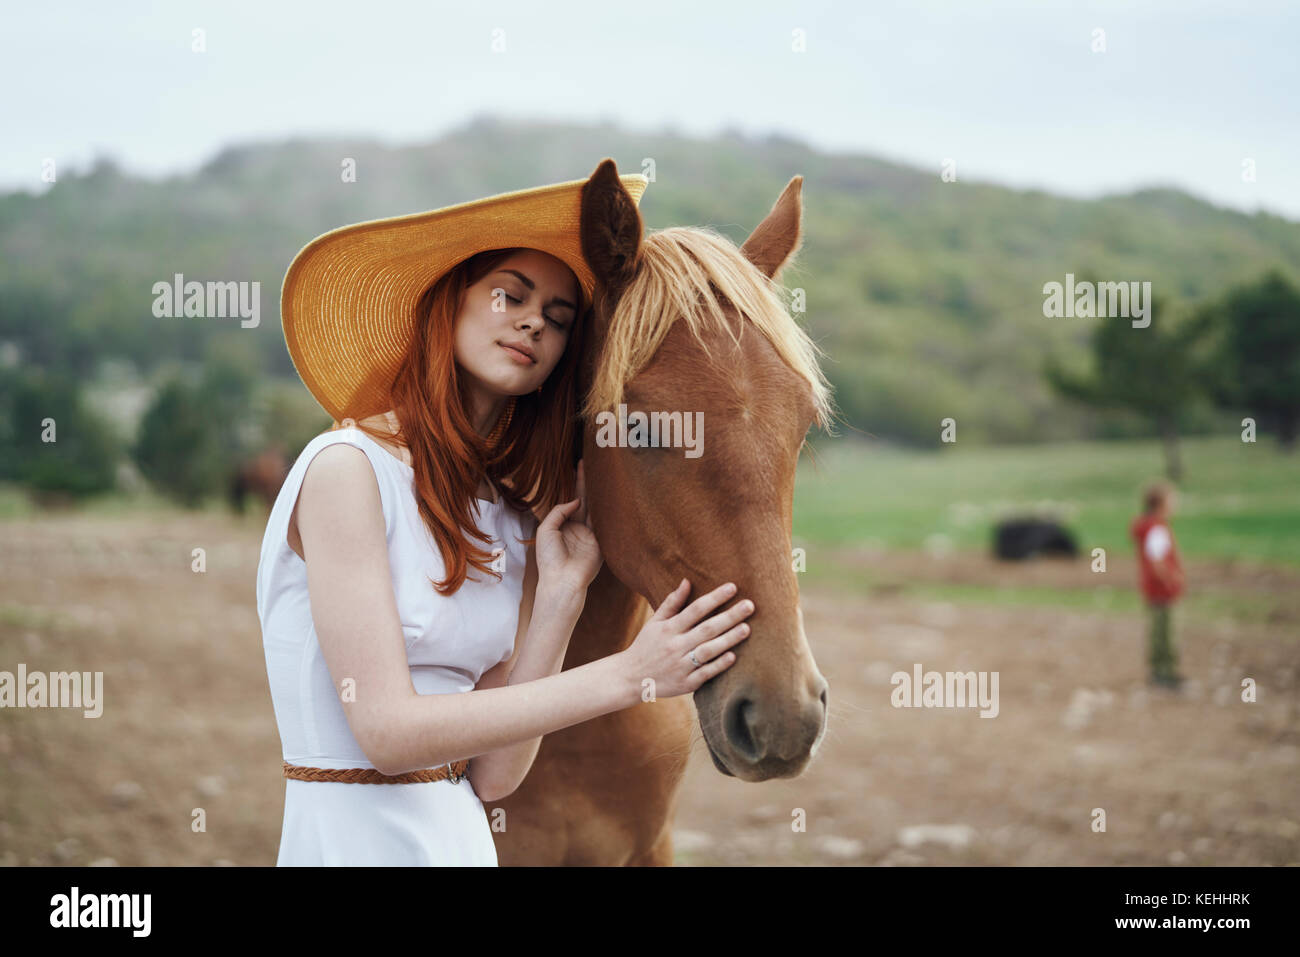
778 237
611 227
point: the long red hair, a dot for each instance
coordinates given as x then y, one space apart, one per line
531 461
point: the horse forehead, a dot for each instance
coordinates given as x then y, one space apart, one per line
747 362
751 399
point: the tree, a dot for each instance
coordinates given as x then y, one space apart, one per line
226 388
55 445
1256 365
177 449
1152 371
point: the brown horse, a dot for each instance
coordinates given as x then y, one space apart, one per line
260 476
685 321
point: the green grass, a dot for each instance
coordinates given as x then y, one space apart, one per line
1237 500
16 503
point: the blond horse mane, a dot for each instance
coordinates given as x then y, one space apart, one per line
684 270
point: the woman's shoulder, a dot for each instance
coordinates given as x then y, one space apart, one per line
332 457
380 458
338 475
335 478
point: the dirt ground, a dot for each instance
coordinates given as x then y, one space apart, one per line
1198 777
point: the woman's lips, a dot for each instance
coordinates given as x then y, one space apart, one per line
518 356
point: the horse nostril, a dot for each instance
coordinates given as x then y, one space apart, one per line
738 727
823 697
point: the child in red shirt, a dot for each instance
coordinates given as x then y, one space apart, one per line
1160 575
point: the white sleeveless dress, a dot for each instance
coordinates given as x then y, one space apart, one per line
450 642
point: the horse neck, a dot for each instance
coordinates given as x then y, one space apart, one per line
611 618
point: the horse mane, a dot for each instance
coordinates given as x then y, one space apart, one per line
692 273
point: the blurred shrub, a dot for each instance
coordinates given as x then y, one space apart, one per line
200 429
54 443
288 416
1256 366
177 448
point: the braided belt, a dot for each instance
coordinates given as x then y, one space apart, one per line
454 772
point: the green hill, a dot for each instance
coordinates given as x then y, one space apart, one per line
927 295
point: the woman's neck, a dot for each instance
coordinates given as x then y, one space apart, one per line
484 411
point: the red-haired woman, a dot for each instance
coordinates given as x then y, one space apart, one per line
413 672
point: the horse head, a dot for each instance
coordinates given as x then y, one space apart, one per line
684 321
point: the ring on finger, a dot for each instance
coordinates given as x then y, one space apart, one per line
695 661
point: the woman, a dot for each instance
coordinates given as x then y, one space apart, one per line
412 671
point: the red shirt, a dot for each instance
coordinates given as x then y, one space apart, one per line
1153 588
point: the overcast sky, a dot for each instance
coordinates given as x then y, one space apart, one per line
1184 93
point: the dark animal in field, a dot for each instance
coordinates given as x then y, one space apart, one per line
260 476
1017 539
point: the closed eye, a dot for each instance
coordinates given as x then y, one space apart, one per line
558 325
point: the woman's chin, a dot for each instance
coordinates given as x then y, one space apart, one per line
514 386
511 381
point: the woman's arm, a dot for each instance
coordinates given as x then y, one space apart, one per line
340 522
541 640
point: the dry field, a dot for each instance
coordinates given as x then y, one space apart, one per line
1198 777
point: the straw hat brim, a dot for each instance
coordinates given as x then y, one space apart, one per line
347 303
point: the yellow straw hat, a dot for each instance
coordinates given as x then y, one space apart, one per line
347 304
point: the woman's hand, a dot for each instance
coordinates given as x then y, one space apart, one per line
662 648
568 555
